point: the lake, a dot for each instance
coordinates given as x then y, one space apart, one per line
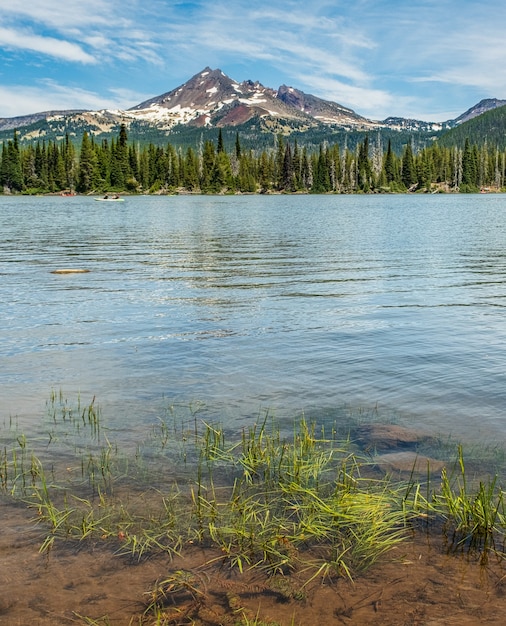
330 306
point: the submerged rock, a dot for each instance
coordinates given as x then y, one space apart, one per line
70 271
388 437
408 462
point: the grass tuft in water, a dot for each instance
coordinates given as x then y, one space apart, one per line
297 503
474 516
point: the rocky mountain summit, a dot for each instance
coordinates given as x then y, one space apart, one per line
212 98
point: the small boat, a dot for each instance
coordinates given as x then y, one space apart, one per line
110 199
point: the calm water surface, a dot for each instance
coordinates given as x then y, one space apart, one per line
289 303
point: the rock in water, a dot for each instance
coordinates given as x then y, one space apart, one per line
408 462
388 436
70 271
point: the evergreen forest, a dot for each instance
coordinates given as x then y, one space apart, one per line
121 166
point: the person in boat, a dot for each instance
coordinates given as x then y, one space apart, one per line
106 197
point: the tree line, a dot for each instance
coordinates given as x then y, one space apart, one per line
121 166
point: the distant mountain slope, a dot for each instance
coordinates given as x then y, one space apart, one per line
10 123
478 109
489 127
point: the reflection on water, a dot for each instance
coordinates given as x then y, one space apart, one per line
302 303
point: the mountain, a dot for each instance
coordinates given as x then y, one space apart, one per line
488 127
10 123
478 109
211 99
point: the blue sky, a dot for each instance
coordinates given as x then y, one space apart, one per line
425 59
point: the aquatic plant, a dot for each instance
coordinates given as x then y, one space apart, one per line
277 503
295 503
474 516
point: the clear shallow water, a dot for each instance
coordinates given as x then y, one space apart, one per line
291 303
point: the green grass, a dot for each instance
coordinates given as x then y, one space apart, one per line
475 514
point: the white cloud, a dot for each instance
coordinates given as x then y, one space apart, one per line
79 31
379 58
50 96
368 102
27 40
288 36
478 61
58 14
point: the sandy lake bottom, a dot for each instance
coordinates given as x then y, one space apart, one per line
421 582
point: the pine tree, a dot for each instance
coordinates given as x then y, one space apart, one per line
221 175
190 170
12 173
28 168
280 159
221 147
69 157
87 166
296 168
4 166
335 167
364 169
408 177
208 159
144 170
287 170
173 175
389 165
56 168
119 160
133 168
264 172
306 174
321 172
469 169
424 170
237 147
103 158
246 177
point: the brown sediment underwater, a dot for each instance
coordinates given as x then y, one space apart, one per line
418 583
265 529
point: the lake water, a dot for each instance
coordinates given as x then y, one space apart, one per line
316 304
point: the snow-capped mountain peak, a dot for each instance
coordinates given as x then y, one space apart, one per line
212 98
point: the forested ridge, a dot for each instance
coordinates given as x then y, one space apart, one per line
122 166
486 128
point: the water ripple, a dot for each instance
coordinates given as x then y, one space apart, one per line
297 303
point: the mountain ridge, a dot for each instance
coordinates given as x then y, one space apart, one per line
210 99
487 104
